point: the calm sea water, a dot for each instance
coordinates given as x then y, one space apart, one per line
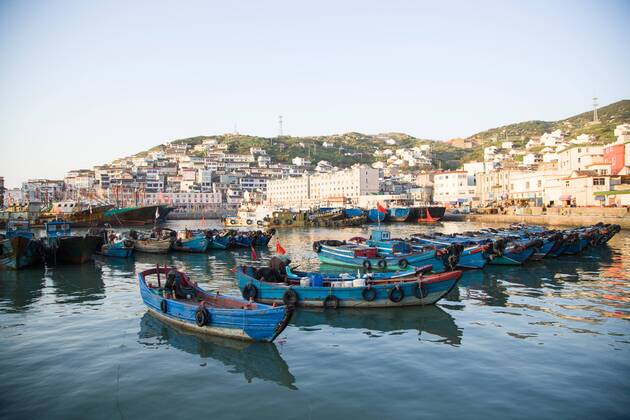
550 339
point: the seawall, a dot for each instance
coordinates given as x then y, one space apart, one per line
576 216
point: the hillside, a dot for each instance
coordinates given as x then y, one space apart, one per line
350 148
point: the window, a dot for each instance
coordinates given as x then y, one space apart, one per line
599 181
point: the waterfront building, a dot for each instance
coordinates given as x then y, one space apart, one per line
539 187
308 189
578 158
493 186
43 190
453 187
581 188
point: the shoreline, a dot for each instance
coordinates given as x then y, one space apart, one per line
550 219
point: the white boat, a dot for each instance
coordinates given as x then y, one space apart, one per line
249 216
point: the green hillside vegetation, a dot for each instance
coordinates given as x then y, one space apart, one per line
353 147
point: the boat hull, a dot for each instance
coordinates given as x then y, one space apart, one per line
435 288
399 214
196 245
430 213
73 249
260 324
330 255
376 216
115 251
153 246
19 252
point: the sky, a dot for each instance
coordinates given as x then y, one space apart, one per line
84 82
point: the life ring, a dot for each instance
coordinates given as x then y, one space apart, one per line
259 223
403 263
420 291
232 221
368 293
331 302
396 294
163 306
249 221
201 317
250 291
290 298
367 265
382 264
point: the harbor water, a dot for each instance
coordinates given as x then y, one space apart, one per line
550 339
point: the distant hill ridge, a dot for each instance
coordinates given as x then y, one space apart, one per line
350 148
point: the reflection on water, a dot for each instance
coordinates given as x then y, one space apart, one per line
431 320
20 289
253 360
77 283
562 324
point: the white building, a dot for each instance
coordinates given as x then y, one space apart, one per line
337 186
451 187
578 158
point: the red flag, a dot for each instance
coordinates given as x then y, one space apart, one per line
254 256
380 208
279 249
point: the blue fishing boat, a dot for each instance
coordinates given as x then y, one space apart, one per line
220 239
472 255
376 216
399 214
361 256
409 274
120 248
426 290
194 309
353 212
191 241
63 247
18 246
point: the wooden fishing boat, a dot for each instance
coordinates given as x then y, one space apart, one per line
153 245
426 290
18 247
113 244
64 247
211 313
220 239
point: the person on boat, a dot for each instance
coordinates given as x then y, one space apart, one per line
178 286
276 272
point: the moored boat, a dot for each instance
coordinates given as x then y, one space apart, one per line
376 216
18 246
190 241
192 308
157 242
64 247
426 290
399 214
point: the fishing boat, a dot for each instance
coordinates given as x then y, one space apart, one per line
256 238
64 247
210 313
248 216
399 214
220 239
426 290
191 241
18 246
376 216
369 257
403 275
157 242
429 213
472 255
353 212
113 244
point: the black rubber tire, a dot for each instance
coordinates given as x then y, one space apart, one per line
367 265
250 291
201 317
232 222
403 263
420 291
164 306
290 298
382 264
331 302
249 221
368 293
452 262
396 294
259 223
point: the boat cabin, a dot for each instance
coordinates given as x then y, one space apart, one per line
380 235
19 227
58 229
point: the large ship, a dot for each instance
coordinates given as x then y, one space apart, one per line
83 214
429 213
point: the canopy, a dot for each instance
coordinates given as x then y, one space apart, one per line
565 197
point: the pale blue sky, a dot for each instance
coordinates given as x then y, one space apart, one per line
83 82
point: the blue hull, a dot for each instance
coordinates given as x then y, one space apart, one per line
262 323
353 212
196 244
221 242
20 252
399 214
338 256
430 292
376 216
513 258
117 252
576 247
